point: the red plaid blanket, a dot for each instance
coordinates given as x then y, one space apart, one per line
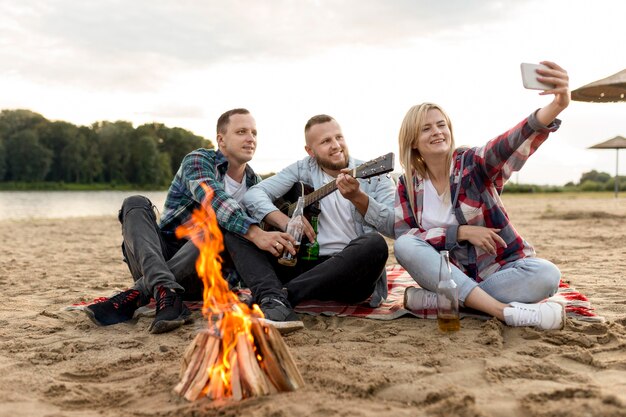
576 304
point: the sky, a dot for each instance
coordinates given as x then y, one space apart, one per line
184 62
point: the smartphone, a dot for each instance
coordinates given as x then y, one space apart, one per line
529 77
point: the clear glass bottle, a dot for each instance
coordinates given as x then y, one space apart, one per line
312 249
447 297
295 228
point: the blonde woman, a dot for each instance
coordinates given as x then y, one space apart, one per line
449 199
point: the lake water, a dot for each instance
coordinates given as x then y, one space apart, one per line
63 204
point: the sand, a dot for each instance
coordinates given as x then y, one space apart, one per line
58 363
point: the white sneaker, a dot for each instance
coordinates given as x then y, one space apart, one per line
547 315
419 299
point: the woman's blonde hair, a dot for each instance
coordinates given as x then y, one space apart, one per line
410 159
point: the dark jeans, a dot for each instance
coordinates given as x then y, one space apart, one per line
349 276
153 258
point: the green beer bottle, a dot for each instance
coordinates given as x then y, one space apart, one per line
312 249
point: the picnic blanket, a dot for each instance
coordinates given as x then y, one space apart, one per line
577 306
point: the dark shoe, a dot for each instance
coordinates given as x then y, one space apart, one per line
171 312
117 309
280 314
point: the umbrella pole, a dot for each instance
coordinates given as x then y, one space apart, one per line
616 171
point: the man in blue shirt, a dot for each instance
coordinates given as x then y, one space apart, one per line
352 253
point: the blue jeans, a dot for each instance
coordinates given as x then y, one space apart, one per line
526 280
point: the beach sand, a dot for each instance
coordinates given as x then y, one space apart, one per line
58 363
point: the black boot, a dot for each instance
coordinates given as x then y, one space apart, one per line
117 309
171 312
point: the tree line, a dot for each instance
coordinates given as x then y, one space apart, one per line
34 149
589 181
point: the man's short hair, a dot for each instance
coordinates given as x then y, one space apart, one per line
317 120
222 122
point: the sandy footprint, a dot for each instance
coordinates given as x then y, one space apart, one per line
572 402
540 370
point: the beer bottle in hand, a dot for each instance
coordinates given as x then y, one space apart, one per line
312 249
447 297
295 228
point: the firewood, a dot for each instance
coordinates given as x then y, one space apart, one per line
284 357
235 379
251 373
191 362
215 388
211 351
260 364
269 362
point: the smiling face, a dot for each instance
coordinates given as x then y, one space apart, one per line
433 138
238 140
326 144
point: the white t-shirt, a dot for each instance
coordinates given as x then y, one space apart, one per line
234 188
437 210
335 225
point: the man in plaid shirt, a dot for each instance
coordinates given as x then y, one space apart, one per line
162 265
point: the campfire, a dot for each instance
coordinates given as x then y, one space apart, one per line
238 355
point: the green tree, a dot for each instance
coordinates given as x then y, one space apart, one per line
591 185
165 169
13 121
144 165
176 142
57 136
94 167
27 159
610 184
114 140
179 142
35 149
72 161
3 159
596 176
173 144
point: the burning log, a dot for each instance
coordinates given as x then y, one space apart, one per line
259 367
240 356
277 361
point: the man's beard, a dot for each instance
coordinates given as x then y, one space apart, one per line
333 166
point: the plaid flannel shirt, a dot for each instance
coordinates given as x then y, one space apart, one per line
477 176
205 166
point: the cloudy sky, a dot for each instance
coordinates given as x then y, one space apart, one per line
184 62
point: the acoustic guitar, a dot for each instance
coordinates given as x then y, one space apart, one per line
287 203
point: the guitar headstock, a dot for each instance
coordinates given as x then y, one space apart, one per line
381 165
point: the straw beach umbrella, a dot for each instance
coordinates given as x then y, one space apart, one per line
616 143
606 90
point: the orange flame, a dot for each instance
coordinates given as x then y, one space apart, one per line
222 307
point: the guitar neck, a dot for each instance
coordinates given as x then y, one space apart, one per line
320 193
378 166
314 196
